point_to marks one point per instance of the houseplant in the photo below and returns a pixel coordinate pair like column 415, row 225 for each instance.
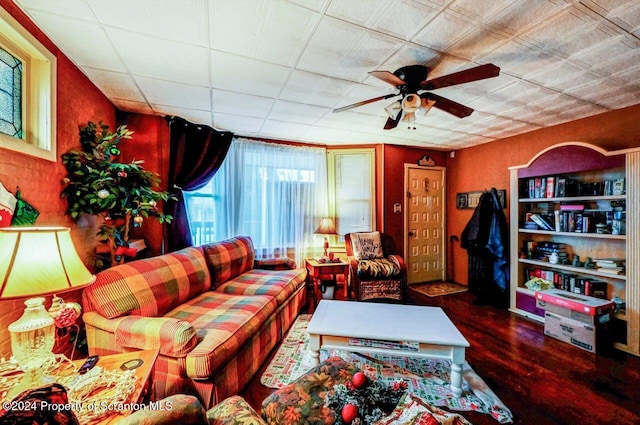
column 123, row 194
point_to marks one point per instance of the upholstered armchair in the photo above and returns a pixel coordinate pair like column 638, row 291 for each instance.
column 375, row 271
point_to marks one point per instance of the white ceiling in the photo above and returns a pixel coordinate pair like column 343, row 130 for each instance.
column 276, row 68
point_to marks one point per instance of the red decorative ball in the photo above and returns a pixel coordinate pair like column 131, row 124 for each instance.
column 359, row 380
column 349, row 413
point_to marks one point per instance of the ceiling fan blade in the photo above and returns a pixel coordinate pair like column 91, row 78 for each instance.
column 364, row 102
column 473, row 74
column 388, row 77
column 393, row 122
column 454, row 108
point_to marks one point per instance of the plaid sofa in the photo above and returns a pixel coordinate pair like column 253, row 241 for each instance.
column 211, row 312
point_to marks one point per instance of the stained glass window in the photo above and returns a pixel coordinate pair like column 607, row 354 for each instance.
column 10, row 94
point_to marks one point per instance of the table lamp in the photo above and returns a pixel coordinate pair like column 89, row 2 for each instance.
column 326, row 227
column 36, row 261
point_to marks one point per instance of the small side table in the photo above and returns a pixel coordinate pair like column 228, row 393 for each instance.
column 317, row 271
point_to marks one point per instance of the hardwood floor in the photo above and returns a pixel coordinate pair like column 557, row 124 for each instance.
column 541, row 380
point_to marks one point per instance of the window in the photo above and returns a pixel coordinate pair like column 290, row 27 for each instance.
column 27, row 92
column 353, row 196
column 10, row 94
column 274, row 193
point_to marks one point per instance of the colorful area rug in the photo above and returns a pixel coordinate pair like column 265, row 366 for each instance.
column 438, row 289
column 426, row 378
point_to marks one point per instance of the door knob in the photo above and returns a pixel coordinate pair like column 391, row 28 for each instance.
column 411, row 234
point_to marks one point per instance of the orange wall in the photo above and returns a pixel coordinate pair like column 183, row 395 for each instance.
column 486, row 166
column 78, row 101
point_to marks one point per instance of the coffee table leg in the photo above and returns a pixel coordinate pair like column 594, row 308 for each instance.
column 456, row 379
column 314, row 347
column 456, row 371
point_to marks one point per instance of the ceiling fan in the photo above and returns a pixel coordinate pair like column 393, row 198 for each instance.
column 414, row 87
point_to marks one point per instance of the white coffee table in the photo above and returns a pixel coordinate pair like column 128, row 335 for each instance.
column 334, row 323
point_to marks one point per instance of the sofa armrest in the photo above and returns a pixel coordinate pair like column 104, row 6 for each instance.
column 280, row 263
column 97, row 320
column 172, row 337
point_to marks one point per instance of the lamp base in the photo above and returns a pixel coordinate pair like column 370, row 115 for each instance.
column 31, row 379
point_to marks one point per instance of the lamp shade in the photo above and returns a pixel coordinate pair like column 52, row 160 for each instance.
column 39, row 261
column 326, row 227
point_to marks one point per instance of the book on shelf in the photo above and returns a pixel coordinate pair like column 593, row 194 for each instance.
column 542, row 221
column 560, row 187
column 550, row 187
column 610, row 262
column 571, row 207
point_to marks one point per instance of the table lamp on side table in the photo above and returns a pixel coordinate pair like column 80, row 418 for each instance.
column 36, row 261
column 326, row 227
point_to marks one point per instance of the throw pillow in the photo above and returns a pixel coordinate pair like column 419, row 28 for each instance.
column 367, row 246
column 7, row 206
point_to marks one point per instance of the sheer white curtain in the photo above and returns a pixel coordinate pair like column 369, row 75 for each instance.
column 274, row 193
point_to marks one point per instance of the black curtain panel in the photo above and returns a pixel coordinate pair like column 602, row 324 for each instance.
column 196, row 152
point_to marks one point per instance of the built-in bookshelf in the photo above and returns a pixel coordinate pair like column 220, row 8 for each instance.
column 574, row 224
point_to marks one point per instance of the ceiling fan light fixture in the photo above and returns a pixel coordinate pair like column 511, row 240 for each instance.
column 411, row 103
column 393, row 109
column 426, row 106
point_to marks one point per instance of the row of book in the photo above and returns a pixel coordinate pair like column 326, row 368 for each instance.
column 571, row 220
column 560, row 187
column 570, row 282
column 541, row 250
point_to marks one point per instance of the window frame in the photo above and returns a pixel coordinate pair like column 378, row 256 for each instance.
column 332, row 183
column 38, row 91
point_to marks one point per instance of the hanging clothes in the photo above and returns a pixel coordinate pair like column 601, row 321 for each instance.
column 485, row 237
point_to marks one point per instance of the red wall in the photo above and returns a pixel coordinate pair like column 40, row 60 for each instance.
column 78, row 101
column 392, row 183
column 486, row 166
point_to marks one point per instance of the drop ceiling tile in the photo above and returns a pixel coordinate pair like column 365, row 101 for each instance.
column 356, row 12
column 556, row 31
column 297, row 112
column 284, row 130
column 479, row 10
column 511, row 18
column 410, row 54
column 64, row 32
column 622, row 101
column 193, row 115
column 161, row 92
column 185, row 22
column 586, row 38
column 70, row 8
column 476, row 41
column 402, row 19
column 115, row 84
column 234, row 103
column 241, row 124
column 278, row 30
column 314, row 89
column 245, row 75
column 443, row 31
column 167, row 60
column 327, row 135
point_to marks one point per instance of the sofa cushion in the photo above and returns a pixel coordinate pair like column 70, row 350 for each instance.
column 278, row 284
column 149, row 287
column 367, row 246
column 224, row 323
column 228, row 259
column 378, row 268
column 172, row 337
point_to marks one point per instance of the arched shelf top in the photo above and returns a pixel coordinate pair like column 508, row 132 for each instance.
column 570, row 157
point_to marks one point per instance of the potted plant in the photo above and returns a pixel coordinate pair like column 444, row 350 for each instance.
column 122, row 194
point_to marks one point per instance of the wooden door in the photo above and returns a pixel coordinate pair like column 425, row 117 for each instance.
column 425, row 224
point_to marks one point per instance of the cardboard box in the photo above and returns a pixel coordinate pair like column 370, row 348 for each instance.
column 587, row 319
column 584, row 304
column 587, row 337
